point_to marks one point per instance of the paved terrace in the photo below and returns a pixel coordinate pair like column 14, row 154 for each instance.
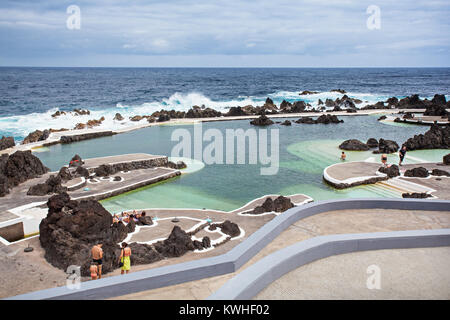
column 350, row 172
column 329, row 223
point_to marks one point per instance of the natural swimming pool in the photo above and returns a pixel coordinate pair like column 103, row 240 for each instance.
column 305, row 150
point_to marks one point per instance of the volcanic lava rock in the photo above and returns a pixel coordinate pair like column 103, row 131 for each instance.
column 438, row 137
column 280, row 204
column 206, row 242
column 339, row 91
column 446, row 159
column 305, row 92
column 118, row 117
column 307, row 120
column 436, row 110
column 82, row 172
column 386, row 146
column 50, row 186
column 176, row 245
column 419, row 172
column 353, row 145
column 263, row 120
column 145, row 221
column 178, row 165
column 163, row 118
column 197, row 112
column 439, row 172
column 227, row 227
column 71, row 228
column 6, row 142
column 286, row 123
column 372, row 143
column 412, row 102
column 382, row 118
column 235, row 111
column 64, row 174
column 35, row 136
column 143, row 254
column 391, row 171
column 104, row 170
column 416, row 195
column 326, row 119
column 17, row 168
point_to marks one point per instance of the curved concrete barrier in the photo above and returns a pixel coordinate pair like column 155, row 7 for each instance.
column 258, row 276
column 228, row 262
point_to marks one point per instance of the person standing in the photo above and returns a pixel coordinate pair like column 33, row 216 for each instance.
column 94, row 271
column 343, row 156
column 384, row 159
column 402, row 154
column 125, row 255
column 97, row 257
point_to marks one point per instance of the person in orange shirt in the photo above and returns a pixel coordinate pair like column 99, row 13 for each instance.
column 94, row 271
column 97, row 256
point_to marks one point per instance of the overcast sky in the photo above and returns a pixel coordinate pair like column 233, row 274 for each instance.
column 218, row 33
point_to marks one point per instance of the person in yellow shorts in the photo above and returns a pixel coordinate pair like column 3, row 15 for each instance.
column 125, row 255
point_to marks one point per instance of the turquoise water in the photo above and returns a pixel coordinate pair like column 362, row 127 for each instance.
column 305, row 150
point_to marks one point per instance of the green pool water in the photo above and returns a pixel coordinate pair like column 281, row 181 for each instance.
column 305, row 150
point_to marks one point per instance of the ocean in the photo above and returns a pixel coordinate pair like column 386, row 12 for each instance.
column 28, row 96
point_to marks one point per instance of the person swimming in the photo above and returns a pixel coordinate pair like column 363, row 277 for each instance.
column 343, row 156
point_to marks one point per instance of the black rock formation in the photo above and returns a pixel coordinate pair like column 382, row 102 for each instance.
column 286, row 123
column 263, row 120
column 6, row 142
column 391, row 171
column 419, row 172
column 176, row 245
column 416, row 195
column 439, row 172
column 372, row 143
column 438, row 137
column 50, row 186
column 17, row 168
column 280, row 204
column 35, row 136
column 227, row 227
column 353, row 145
column 446, row 159
column 387, row 146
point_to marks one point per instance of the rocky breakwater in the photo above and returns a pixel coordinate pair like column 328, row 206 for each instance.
column 85, row 136
column 72, row 228
column 6, row 143
column 18, row 168
column 109, row 169
column 438, row 137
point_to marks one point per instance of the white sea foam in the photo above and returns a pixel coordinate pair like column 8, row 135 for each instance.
column 19, row 126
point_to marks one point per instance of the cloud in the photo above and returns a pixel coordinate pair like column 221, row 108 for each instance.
column 33, row 31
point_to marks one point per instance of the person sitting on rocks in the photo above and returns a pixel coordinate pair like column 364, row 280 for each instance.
column 384, row 159
column 94, row 271
column 97, row 256
column 125, row 258
column 125, row 217
column 116, row 218
column 343, row 156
